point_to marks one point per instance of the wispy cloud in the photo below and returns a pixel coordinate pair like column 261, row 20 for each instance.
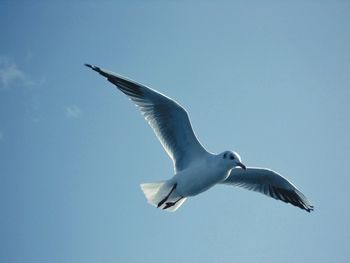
column 10, row 74
column 72, row 112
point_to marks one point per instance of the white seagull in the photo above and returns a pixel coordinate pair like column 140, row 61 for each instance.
column 196, row 169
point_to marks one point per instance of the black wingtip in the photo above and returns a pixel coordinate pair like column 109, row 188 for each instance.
column 93, row 67
column 99, row 70
column 310, row 208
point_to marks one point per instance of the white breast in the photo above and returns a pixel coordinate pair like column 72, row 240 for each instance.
column 199, row 178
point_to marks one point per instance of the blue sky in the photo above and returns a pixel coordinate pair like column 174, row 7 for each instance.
column 268, row 80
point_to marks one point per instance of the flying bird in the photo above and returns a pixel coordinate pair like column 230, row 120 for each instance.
column 195, row 169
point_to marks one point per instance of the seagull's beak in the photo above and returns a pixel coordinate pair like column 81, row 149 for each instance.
column 242, row 165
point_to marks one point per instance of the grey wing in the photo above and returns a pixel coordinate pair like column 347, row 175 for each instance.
column 269, row 183
column 168, row 119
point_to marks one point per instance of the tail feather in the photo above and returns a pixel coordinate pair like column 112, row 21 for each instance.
column 176, row 206
column 151, row 192
column 155, row 193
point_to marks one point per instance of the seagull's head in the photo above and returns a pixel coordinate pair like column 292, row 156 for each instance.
column 232, row 160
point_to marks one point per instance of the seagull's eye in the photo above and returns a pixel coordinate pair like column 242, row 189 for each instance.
column 232, row 157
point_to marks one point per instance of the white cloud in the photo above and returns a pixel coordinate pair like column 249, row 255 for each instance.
column 10, row 74
column 72, row 112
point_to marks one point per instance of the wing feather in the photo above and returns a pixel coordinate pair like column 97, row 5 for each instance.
column 169, row 121
column 270, row 184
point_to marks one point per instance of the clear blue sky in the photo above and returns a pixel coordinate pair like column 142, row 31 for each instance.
column 269, row 80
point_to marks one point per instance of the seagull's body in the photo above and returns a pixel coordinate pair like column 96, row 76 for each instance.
column 200, row 176
column 196, row 169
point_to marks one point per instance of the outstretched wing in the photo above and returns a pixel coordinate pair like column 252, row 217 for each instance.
column 168, row 119
column 269, row 183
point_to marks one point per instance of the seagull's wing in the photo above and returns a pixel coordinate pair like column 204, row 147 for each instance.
column 269, row 183
column 168, row 119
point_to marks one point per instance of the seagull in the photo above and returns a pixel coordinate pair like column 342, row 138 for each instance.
column 195, row 169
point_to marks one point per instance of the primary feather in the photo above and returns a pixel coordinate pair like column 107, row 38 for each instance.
column 269, row 183
column 168, row 119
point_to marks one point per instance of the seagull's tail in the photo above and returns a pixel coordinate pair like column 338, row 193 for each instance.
column 155, row 193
